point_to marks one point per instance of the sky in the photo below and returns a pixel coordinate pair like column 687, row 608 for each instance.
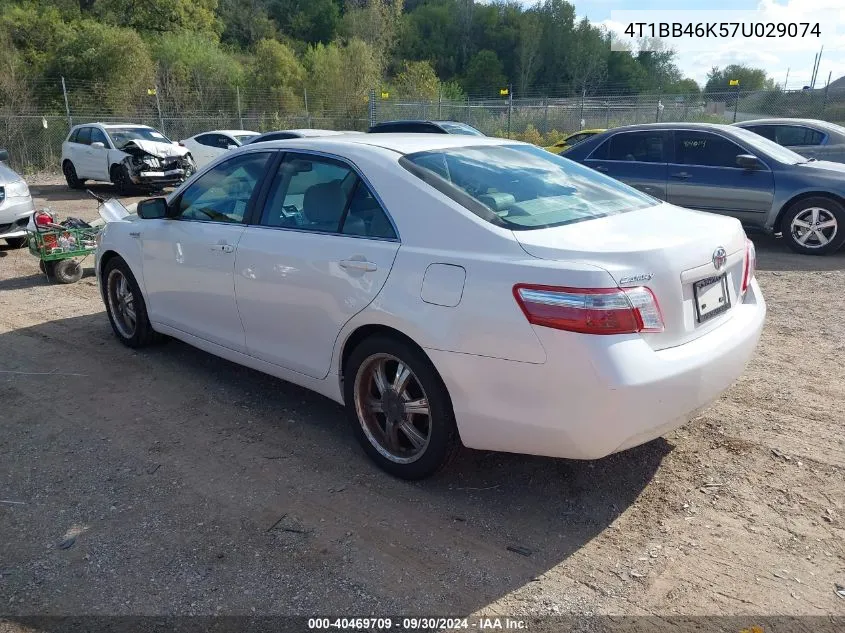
column 775, row 56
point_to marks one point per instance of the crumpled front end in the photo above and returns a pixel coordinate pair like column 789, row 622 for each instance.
column 161, row 168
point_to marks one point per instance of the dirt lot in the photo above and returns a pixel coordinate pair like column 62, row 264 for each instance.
column 194, row 486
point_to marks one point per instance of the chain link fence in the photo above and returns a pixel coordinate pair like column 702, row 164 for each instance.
column 35, row 122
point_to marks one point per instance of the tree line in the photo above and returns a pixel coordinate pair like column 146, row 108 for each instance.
column 197, row 50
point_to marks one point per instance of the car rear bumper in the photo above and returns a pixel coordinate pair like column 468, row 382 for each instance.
column 596, row 395
column 14, row 216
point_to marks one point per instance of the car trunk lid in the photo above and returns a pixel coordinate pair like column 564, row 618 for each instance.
column 665, row 248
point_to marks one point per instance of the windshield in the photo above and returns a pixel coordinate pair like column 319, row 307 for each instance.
column 459, row 128
column 244, row 138
column 120, row 136
column 769, row 148
column 523, row 187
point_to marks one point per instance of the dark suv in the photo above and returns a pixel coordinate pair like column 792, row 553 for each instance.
column 425, row 127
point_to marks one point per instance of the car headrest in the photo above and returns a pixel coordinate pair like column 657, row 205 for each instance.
column 324, row 202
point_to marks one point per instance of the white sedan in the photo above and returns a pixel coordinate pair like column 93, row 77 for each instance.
column 447, row 289
column 207, row 146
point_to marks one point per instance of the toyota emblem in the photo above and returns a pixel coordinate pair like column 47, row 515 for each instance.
column 720, row 257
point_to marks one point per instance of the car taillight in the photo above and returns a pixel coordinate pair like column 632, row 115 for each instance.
column 590, row 310
column 750, row 265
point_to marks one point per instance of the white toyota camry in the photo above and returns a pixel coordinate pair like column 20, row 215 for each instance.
column 447, row 289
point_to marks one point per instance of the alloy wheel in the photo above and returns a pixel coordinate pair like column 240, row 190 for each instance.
column 121, row 303
column 814, row 227
column 392, row 408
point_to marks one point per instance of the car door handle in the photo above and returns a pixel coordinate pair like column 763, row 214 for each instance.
column 222, row 248
column 358, row 264
column 681, row 175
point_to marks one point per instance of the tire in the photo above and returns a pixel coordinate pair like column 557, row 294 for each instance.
column 66, row 271
column 409, row 445
column 814, row 226
column 132, row 333
column 73, row 181
column 41, row 266
column 16, row 242
column 121, row 180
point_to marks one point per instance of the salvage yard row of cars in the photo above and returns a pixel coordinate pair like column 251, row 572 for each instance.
column 453, row 289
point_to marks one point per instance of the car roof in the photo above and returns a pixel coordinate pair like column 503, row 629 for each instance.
column 109, row 126
column 404, row 143
column 782, row 121
column 229, row 132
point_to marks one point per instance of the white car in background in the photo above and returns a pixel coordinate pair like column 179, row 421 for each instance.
column 15, row 204
column 447, row 289
column 124, row 154
column 207, row 146
column 285, row 135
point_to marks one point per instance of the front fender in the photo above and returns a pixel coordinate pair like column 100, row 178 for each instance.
column 115, row 240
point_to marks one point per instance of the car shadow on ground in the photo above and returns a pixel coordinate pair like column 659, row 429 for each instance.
column 489, row 524
column 774, row 255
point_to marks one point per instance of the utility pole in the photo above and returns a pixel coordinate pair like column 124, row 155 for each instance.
column 581, row 121
column 240, row 116
column 67, row 105
column 510, row 108
column 786, row 81
column 158, row 107
column 307, row 111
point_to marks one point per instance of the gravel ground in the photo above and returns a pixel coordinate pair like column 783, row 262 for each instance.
column 168, row 481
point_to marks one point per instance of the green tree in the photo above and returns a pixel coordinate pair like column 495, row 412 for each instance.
column 245, row 22
column 749, row 79
column 417, row 81
column 484, row 74
column 159, row 16
column 431, row 32
column 34, row 32
column 340, row 77
column 375, row 22
column 195, row 72
column 276, row 68
column 310, row 21
column 107, row 68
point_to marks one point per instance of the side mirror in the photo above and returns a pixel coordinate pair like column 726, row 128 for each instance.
column 152, row 209
column 4, row 155
column 98, row 145
column 748, row 161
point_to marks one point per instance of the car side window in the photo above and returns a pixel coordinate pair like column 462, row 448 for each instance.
column 84, row 136
column 601, row 152
column 98, row 136
column 705, row 149
column 797, row 135
column 643, row 147
column 308, row 192
column 223, row 141
column 766, row 131
column 73, row 136
column 365, row 216
column 223, row 193
column 211, row 140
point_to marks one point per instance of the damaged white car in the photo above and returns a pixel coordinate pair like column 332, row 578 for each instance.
column 127, row 155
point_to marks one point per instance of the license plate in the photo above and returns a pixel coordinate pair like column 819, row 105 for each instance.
column 711, row 297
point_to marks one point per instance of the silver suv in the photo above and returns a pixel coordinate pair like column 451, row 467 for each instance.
column 15, row 204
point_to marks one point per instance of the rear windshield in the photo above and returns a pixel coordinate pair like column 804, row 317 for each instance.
column 523, row 187
column 459, row 128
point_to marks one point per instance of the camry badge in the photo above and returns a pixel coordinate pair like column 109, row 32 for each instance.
column 720, row 258
column 635, row 279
